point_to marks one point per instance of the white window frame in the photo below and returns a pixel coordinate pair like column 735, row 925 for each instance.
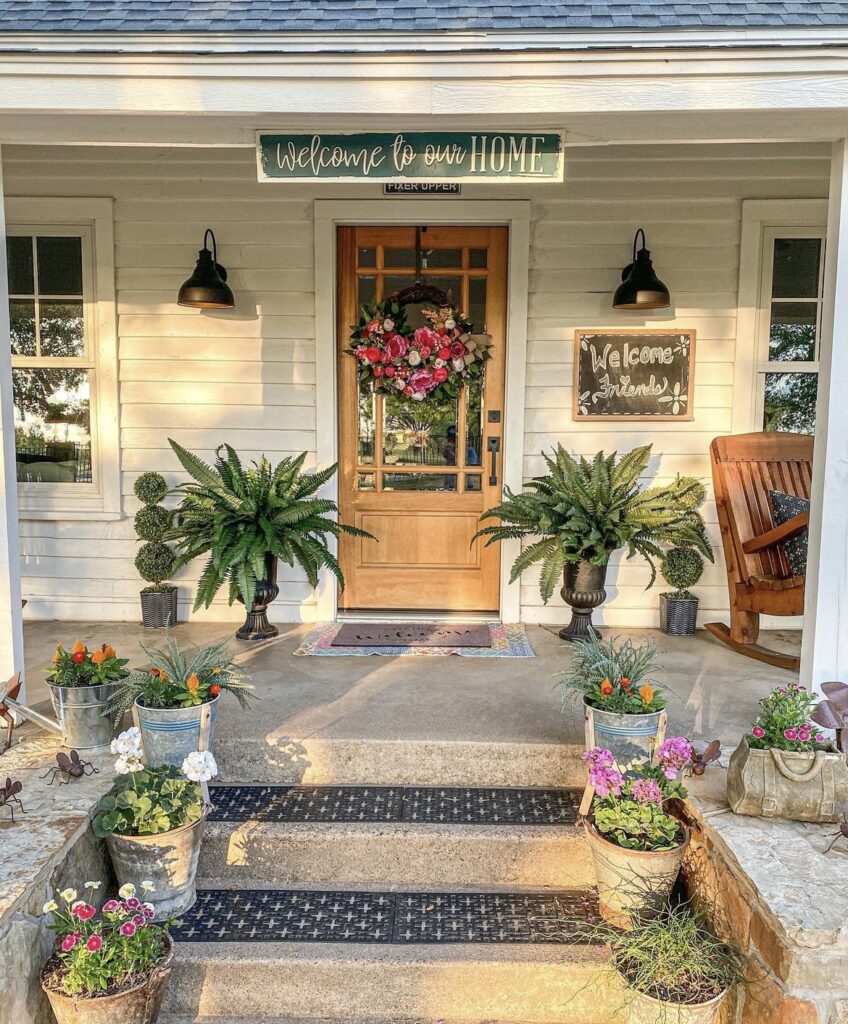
column 764, row 220
column 92, row 220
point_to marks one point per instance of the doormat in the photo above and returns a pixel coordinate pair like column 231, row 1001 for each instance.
column 300, row 915
column 413, row 634
column 505, row 641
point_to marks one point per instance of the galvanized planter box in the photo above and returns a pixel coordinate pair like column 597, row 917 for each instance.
column 169, row 735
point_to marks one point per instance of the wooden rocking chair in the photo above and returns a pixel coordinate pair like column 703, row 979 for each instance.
column 745, row 468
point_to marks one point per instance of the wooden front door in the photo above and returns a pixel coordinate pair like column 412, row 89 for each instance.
column 417, row 475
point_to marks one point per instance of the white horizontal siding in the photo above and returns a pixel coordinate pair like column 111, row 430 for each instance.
column 247, row 376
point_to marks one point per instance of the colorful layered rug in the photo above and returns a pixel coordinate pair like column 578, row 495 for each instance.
column 505, row 641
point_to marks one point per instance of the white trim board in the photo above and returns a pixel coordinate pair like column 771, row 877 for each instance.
column 515, row 214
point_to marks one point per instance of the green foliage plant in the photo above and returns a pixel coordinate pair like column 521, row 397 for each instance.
column 613, row 675
column 237, row 517
column 148, row 802
column 587, row 509
column 155, row 560
column 681, row 568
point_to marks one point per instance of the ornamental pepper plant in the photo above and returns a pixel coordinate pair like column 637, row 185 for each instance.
column 784, row 722
column 81, row 667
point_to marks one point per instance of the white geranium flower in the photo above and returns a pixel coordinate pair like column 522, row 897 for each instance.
column 127, row 743
column 450, row 323
column 200, row 766
column 388, row 325
column 68, row 895
column 50, row 907
column 458, row 364
column 127, row 891
column 413, row 357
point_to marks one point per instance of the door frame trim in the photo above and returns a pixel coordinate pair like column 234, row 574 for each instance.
column 515, row 215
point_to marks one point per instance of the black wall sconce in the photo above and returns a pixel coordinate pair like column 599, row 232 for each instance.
column 640, row 287
column 207, row 287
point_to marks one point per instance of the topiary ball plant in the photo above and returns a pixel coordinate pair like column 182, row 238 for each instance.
column 681, row 568
column 155, row 560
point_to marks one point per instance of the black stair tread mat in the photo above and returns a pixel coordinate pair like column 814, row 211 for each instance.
column 440, row 805
column 563, row 917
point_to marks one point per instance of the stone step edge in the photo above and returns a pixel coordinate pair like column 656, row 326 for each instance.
column 168, row 1018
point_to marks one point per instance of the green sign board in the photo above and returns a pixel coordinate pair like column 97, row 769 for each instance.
column 410, row 156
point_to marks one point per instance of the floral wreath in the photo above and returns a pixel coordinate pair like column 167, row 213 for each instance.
column 433, row 361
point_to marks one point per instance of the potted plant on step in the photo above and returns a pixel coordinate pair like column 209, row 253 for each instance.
column 637, row 846
column 153, row 821
column 172, row 695
column 245, row 520
column 81, row 683
column 786, row 767
column 681, row 568
column 155, row 560
column 675, row 969
column 109, row 965
column 623, row 707
column 585, row 510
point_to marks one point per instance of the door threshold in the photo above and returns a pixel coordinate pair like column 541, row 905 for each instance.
column 414, row 615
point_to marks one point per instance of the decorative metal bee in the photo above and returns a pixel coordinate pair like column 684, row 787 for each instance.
column 69, row 766
column 712, row 752
column 9, row 795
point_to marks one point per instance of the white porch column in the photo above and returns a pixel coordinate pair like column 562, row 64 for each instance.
column 824, row 650
column 11, row 619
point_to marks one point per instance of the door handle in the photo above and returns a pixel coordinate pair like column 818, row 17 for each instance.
column 493, row 444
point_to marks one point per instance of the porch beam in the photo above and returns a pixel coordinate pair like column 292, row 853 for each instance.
column 11, row 618
column 824, row 650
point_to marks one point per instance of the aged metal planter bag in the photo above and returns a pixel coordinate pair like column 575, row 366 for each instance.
column 800, row 785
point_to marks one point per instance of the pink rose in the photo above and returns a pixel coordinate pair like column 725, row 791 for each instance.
column 94, row 943
column 389, row 371
column 440, row 374
column 422, row 381
column 372, row 354
column 426, row 337
column 425, row 351
column 378, row 371
column 444, row 353
column 457, row 350
column 396, row 346
column 128, row 929
column 407, row 390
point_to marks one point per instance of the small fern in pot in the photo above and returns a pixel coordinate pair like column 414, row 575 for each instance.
column 681, row 568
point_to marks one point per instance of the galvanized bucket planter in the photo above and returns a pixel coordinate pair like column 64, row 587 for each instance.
column 799, row 785
column 79, row 711
column 627, row 736
column 678, row 615
column 632, row 882
column 170, row 734
column 137, row 1005
column 168, row 860
column 642, row 1009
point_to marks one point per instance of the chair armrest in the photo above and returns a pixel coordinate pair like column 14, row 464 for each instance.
column 776, row 535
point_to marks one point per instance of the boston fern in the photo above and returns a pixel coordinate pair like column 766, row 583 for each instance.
column 586, row 509
column 239, row 516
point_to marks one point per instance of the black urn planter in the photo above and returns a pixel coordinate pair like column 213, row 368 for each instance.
column 678, row 615
column 159, row 608
column 256, row 625
column 583, row 591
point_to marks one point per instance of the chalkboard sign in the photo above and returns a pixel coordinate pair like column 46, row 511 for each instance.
column 642, row 373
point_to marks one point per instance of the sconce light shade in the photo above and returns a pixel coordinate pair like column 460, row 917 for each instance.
column 207, row 287
column 640, row 287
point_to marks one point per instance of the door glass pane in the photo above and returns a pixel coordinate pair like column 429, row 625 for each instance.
column 365, row 481
column 474, row 482
column 474, row 422
column 19, row 259
column 792, row 334
column 790, row 402
column 795, row 273
column 367, row 422
column 477, row 258
column 396, row 282
column 59, row 265
column 436, row 258
column 419, row 481
column 452, row 284
column 366, row 290
column 419, row 433
column 62, row 331
column 52, row 425
column 366, row 258
column 399, row 258
column 477, row 303
column 22, row 324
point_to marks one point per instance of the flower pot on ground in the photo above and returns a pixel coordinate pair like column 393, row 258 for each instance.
column 583, row 511
column 637, row 846
column 153, row 822
column 623, row 707
column 109, row 965
column 81, row 684
column 786, row 767
column 155, row 560
column 681, row 568
column 170, row 696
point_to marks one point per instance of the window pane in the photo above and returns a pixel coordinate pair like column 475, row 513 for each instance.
column 435, row 258
column 477, row 258
column 451, row 284
column 22, row 323
column 367, row 419
column 790, row 402
column 62, row 333
column 474, row 423
column 419, row 433
column 792, row 335
column 796, row 268
column 399, row 258
column 477, row 303
column 474, row 483
column 19, row 258
column 366, row 258
column 419, row 481
column 367, row 290
column 59, row 265
column 396, row 282
column 52, row 425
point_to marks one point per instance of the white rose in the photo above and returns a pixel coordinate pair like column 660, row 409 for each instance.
column 49, row 907
column 413, row 357
column 388, row 325
column 438, row 363
column 418, row 396
column 127, row 891
column 450, row 323
column 400, row 384
column 458, row 364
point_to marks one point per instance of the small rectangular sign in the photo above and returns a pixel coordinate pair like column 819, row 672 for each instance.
column 636, row 374
column 410, row 156
column 421, row 188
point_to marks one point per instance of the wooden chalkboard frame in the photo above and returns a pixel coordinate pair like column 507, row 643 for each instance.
column 601, row 332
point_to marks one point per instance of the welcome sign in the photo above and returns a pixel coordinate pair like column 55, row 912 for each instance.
column 410, row 156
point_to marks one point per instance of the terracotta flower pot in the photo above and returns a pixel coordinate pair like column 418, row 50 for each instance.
column 642, row 1009
column 137, row 1005
column 632, row 882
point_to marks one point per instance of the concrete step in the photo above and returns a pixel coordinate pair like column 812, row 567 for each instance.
column 267, row 981
column 169, row 1018
column 285, row 760
column 261, row 854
